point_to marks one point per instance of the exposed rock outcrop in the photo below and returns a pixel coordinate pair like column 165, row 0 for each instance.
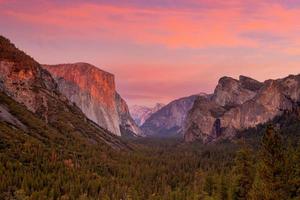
column 127, row 124
column 168, row 120
column 24, row 80
column 231, row 92
column 6, row 116
column 93, row 91
column 30, row 85
column 240, row 104
column 141, row 113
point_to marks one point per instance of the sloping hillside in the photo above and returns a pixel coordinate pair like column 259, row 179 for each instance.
column 24, row 81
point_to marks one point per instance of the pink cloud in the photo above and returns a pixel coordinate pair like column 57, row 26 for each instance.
column 171, row 28
column 270, row 29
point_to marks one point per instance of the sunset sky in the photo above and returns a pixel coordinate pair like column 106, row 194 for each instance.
column 160, row 50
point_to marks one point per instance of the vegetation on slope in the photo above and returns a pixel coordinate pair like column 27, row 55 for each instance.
column 68, row 158
column 44, row 163
column 55, row 110
column 9, row 52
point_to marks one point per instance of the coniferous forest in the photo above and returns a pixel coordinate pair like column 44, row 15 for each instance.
column 261, row 163
column 149, row 100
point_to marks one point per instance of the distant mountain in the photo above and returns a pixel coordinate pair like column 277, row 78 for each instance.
column 141, row 113
column 238, row 105
column 31, row 105
column 168, row 121
column 93, row 91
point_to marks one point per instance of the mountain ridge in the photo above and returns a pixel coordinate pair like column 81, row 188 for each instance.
column 169, row 119
column 240, row 104
column 141, row 113
column 93, row 91
column 26, row 82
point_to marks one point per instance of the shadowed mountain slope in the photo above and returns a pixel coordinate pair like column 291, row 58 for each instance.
column 169, row 119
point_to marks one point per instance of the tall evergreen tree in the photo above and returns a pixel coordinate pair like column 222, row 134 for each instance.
column 293, row 156
column 223, row 188
column 209, row 185
column 244, row 174
column 198, row 189
column 256, row 189
column 271, row 169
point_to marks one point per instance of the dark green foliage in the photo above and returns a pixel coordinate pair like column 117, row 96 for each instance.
column 293, row 169
column 52, row 161
column 209, row 185
column 272, row 166
column 243, row 171
column 223, row 188
column 67, row 158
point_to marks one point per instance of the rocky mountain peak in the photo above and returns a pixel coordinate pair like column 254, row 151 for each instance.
column 231, row 92
column 22, row 78
column 141, row 113
column 25, row 86
column 100, row 84
column 158, row 106
column 93, row 91
column 240, row 104
column 250, row 83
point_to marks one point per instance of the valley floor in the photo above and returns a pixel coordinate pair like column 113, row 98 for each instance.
column 50, row 162
column 155, row 169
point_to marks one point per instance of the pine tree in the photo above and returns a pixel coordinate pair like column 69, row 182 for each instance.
column 244, row 174
column 199, row 185
column 271, row 170
column 209, row 185
column 255, row 192
column 223, row 188
column 293, row 168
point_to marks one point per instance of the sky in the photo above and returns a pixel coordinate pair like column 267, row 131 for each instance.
column 160, row 50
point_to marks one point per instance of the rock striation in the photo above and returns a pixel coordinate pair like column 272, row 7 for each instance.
column 240, row 104
column 93, row 91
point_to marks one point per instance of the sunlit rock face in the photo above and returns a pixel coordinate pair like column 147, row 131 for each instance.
column 93, row 91
column 23, row 80
column 231, row 92
column 29, row 85
column 169, row 119
column 240, row 104
column 141, row 113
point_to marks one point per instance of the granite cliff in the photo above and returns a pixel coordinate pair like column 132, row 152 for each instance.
column 23, row 81
column 240, row 104
column 127, row 124
column 93, row 91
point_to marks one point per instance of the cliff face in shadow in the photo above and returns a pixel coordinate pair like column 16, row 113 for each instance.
column 168, row 121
